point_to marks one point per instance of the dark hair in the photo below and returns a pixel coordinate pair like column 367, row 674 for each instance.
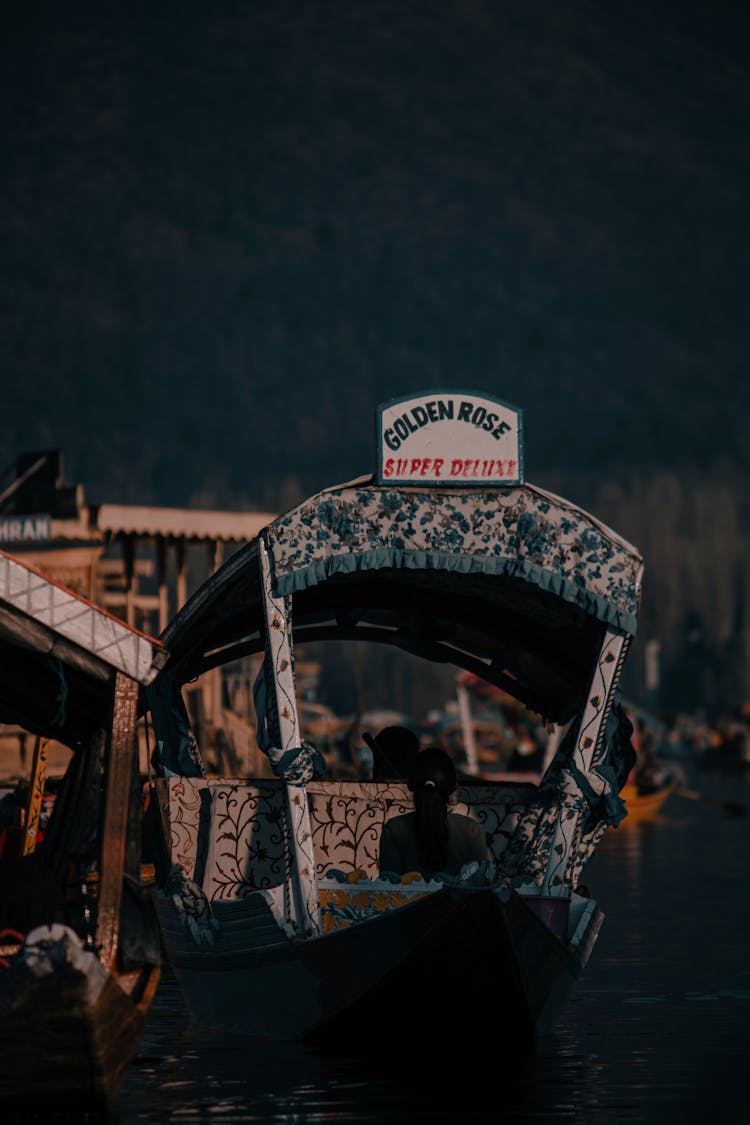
column 393, row 752
column 432, row 780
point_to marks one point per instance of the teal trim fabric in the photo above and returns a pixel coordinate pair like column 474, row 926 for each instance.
column 295, row 766
column 523, row 532
column 379, row 559
column 177, row 749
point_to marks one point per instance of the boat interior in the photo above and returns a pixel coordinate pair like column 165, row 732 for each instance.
column 227, row 837
column 524, row 639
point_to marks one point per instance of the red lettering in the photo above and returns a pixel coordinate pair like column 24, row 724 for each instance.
column 388, row 467
column 456, row 466
column 415, row 464
column 438, row 465
column 426, row 463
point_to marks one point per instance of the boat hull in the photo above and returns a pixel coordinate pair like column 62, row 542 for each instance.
column 57, row 1049
column 416, row 966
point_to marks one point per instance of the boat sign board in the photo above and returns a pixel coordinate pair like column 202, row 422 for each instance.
column 449, row 438
column 25, row 529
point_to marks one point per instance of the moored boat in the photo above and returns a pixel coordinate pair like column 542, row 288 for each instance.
column 80, row 956
column 275, row 915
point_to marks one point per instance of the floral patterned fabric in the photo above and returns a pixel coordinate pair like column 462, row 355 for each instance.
column 347, row 818
column 522, row 531
column 344, row 905
column 248, row 848
column 186, row 801
column 550, row 835
column 230, row 837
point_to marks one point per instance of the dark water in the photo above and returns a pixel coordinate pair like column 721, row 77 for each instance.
column 657, row 1030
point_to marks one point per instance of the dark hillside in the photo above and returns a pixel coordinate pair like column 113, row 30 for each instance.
column 227, row 236
column 229, row 232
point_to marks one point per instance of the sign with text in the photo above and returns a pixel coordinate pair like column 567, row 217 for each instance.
column 449, row 438
column 25, row 529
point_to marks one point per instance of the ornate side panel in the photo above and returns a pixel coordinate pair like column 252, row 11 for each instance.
column 346, row 827
column 185, row 798
column 248, row 845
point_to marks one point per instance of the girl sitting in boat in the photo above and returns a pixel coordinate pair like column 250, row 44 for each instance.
column 431, row 839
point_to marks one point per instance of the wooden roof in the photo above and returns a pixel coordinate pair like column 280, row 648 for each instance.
column 60, row 655
column 180, row 523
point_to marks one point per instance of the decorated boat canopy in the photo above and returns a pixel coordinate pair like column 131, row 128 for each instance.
column 60, row 655
column 522, row 532
column 505, row 580
column 446, row 553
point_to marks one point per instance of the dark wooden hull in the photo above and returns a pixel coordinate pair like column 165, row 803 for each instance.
column 449, row 955
column 59, row 1051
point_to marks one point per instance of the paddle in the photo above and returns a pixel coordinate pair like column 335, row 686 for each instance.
column 734, row 808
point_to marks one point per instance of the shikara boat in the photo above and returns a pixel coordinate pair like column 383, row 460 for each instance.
column 646, row 804
column 80, row 956
column 275, row 916
column 651, row 782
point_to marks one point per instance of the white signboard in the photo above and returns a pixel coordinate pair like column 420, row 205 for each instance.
column 449, row 438
column 25, row 529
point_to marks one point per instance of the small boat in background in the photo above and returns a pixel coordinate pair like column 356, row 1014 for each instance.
column 646, row 803
column 650, row 783
column 80, row 956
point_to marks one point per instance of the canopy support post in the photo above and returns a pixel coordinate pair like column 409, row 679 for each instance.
column 302, row 877
column 588, row 753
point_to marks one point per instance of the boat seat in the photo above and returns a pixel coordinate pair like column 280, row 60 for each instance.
column 228, row 835
column 342, row 904
column 347, row 819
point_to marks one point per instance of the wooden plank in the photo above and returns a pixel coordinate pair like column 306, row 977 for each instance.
column 63, row 614
column 114, row 829
column 117, row 598
column 36, row 793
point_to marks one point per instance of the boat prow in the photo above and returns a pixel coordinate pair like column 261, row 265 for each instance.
column 80, row 955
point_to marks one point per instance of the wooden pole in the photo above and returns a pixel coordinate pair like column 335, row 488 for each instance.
column 36, row 794
column 214, row 562
column 467, row 727
column 118, row 779
column 161, row 578
column 128, row 554
column 302, row 877
column 181, row 577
